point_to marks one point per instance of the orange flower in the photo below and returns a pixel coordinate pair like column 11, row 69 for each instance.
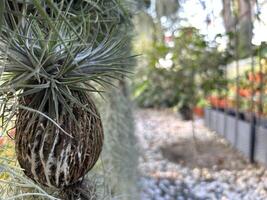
column 199, row 111
column 223, row 103
column 257, row 77
column 214, row 101
column 245, row 92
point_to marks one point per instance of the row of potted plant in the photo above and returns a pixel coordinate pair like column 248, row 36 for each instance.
column 250, row 90
column 245, row 99
column 248, row 96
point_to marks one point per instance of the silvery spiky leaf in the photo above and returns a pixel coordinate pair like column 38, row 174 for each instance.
column 54, row 48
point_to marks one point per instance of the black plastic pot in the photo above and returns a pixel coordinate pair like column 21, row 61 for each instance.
column 186, row 113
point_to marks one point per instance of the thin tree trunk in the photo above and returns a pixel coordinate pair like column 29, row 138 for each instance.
column 245, row 26
column 242, row 13
column 228, row 16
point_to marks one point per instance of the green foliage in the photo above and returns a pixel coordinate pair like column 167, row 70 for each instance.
column 179, row 75
column 151, row 82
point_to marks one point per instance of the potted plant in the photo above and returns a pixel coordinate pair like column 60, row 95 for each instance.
column 199, row 108
column 185, row 109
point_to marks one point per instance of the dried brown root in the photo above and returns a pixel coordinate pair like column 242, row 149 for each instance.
column 83, row 190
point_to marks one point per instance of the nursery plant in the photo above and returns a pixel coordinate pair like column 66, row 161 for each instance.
column 54, row 55
column 180, row 75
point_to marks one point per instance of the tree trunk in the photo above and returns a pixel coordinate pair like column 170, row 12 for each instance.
column 241, row 16
column 166, row 7
column 245, row 27
column 228, row 16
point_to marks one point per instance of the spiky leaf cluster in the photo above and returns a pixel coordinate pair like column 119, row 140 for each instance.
column 51, row 49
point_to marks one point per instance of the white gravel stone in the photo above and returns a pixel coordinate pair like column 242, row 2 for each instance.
column 164, row 180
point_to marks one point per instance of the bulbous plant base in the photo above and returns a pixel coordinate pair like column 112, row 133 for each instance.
column 52, row 158
column 83, row 190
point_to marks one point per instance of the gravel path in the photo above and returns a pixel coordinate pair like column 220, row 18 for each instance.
column 175, row 166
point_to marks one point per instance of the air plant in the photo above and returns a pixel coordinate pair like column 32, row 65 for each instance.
column 54, row 55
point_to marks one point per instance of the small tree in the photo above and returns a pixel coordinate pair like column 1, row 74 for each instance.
column 179, row 75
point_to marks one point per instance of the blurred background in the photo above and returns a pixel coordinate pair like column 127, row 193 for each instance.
column 200, row 89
